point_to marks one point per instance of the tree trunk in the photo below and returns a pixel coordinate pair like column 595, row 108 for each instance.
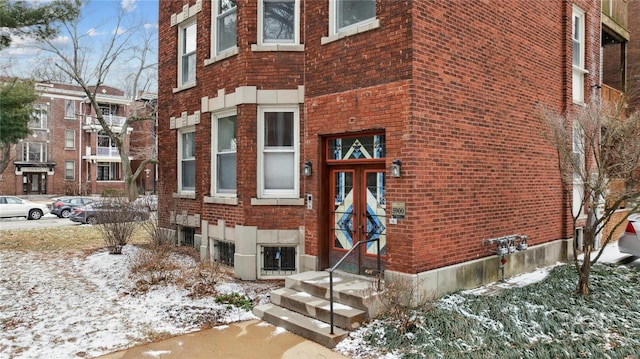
column 584, row 272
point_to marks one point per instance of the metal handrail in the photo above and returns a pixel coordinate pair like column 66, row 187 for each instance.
column 335, row 266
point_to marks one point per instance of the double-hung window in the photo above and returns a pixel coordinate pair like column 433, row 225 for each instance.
column 69, row 139
column 225, row 15
column 187, row 160
column 351, row 13
column 39, row 118
column 69, row 170
column 69, row 109
column 278, row 152
column 187, row 54
column 578, row 51
column 278, row 22
column 224, row 153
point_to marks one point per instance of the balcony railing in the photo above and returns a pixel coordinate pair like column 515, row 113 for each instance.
column 107, row 152
column 111, row 120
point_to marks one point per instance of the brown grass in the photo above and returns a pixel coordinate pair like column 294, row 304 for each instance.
column 66, row 239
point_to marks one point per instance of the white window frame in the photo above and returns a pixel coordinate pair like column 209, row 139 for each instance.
column 279, row 193
column 214, row 30
column 333, row 19
column 39, row 118
column 181, row 56
column 214, row 154
column 70, row 166
column 69, row 141
column 296, row 25
column 181, row 132
column 69, row 109
column 28, row 147
column 578, row 70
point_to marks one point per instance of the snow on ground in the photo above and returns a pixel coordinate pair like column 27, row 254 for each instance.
column 63, row 306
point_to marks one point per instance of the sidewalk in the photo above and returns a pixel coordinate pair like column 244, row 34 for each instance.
column 243, row 340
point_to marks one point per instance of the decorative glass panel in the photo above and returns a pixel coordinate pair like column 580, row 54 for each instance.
column 343, row 211
column 376, row 213
column 357, row 148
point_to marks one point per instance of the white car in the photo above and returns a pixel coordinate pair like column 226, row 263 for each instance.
column 11, row 206
column 629, row 241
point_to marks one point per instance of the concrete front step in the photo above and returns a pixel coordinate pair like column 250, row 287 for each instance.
column 354, row 291
column 304, row 303
column 312, row 329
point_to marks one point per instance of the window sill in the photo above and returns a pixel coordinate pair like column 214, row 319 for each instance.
column 350, row 32
column 276, row 47
column 277, row 201
column 232, row 201
column 231, row 52
column 69, row 118
column 184, row 87
column 185, row 195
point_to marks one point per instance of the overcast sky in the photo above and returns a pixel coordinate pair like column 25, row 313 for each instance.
column 98, row 21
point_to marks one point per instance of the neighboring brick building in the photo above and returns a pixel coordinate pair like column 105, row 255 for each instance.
column 280, row 123
column 67, row 154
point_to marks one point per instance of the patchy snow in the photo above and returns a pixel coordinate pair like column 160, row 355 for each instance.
column 56, row 305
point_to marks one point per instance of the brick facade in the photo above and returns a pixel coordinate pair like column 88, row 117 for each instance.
column 20, row 176
column 454, row 87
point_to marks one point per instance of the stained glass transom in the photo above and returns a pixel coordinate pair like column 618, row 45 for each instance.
column 357, row 148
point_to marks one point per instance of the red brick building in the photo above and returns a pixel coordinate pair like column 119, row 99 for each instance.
column 67, row 153
column 290, row 130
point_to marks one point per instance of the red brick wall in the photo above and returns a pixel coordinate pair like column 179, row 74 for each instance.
column 475, row 164
column 266, row 70
column 455, row 86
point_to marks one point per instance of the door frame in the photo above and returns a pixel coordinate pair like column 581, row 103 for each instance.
column 326, row 205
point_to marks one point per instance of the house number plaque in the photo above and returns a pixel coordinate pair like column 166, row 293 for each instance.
column 397, row 210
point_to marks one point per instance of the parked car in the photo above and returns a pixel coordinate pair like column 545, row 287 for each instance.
column 149, row 202
column 108, row 212
column 11, row 206
column 629, row 241
column 62, row 206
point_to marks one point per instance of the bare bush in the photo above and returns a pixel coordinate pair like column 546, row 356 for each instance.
column 398, row 301
column 117, row 220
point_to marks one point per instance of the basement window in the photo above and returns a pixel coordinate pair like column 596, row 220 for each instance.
column 224, row 252
column 187, row 236
column 278, row 260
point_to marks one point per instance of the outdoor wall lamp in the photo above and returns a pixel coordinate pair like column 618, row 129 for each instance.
column 306, row 169
column 394, row 170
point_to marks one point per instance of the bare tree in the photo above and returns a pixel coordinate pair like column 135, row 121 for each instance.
column 598, row 151
column 90, row 67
